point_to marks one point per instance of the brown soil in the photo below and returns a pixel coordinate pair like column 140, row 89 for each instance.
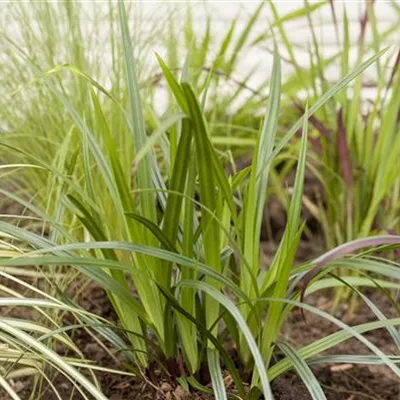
column 342, row 381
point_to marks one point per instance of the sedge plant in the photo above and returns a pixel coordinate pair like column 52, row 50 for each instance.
column 354, row 143
column 353, row 138
column 187, row 237
column 361, row 150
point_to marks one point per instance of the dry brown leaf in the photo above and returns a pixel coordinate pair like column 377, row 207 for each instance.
column 342, row 367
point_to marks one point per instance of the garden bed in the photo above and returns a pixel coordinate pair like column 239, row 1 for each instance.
column 339, row 381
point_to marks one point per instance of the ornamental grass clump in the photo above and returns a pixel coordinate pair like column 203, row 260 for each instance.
column 177, row 248
column 354, row 138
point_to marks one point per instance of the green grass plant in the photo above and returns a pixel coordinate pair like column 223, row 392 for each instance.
column 156, row 210
column 354, row 146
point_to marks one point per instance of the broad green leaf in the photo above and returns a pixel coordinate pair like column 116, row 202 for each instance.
column 255, row 197
column 216, row 374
